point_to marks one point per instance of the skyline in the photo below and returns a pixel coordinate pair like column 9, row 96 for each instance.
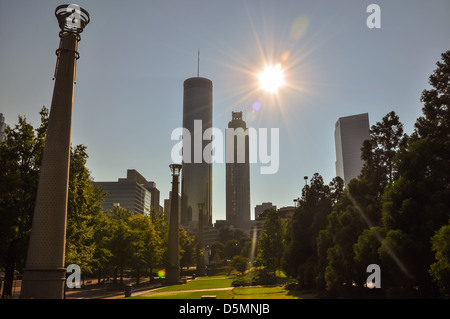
column 129, row 91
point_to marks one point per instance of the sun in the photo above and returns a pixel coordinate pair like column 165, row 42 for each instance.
column 272, row 78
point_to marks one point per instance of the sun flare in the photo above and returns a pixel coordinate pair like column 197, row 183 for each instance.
column 272, row 78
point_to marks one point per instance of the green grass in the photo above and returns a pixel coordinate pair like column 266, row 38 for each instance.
column 275, row 292
column 201, row 283
column 220, row 294
column 215, row 282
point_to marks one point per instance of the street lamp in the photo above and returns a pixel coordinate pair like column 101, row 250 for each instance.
column 44, row 274
column 173, row 267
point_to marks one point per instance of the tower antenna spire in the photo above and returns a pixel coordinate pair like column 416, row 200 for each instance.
column 198, row 63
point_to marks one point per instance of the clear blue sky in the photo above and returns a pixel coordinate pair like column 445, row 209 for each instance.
column 135, row 56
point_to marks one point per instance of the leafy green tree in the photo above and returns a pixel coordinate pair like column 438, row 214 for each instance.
column 227, row 233
column 20, row 160
column 84, row 208
column 240, row 263
column 345, row 224
column 161, row 230
column 271, row 242
column 102, row 256
column 231, row 248
column 217, row 252
column 418, row 203
column 378, row 152
column 187, row 249
column 144, row 244
column 300, row 258
column 440, row 270
column 120, row 240
column 353, row 236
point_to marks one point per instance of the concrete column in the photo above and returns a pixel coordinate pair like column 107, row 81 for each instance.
column 44, row 275
column 173, row 266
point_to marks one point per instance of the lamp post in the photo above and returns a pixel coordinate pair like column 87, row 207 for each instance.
column 44, row 273
column 173, row 266
column 200, row 248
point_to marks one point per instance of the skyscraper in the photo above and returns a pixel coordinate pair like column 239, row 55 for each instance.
column 349, row 134
column 238, row 175
column 196, row 180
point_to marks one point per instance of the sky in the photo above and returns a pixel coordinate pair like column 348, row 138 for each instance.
column 135, row 56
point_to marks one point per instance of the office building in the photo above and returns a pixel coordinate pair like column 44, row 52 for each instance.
column 350, row 133
column 133, row 192
column 259, row 209
column 196, row 180
column 238, row 174
column 286, row 213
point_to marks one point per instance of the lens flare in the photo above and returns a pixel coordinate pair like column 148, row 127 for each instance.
column 272, row 78
column 161, row 273
column 256, row 105
column 299, row 27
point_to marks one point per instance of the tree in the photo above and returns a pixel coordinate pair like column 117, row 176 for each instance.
column 84, row 208
column 435, row 122
column 440, row 270
column 378, row 153
column 240, row 263
column 120, row 240
column 102, row 255
column 418, row 203
column 187, row 249
column 161, row 232
column 217, row 252
column 270, row 243
column 20, row 160
column 231, row 249
column 300, row 258
column 227, row 233
column 144, row 243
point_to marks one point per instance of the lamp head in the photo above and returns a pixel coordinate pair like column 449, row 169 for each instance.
column 176, row 169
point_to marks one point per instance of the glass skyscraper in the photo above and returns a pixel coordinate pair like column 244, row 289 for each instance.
column 349, row 134
column 196, row 174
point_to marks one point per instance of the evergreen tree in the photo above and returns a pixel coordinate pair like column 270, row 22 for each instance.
column 418, row 204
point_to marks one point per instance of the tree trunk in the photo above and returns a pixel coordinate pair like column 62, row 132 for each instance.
column 9, row 271
column 138, row 275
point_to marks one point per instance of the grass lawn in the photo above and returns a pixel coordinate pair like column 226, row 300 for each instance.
column 212, row 283
column 275, row 292
column 220, row 294
column 201, row 283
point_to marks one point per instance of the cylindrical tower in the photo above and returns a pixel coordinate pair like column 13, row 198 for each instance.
column 44, row 275
column 196, row 182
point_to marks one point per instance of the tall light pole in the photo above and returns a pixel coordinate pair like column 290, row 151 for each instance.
column 173, row 251
column 44, row 274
